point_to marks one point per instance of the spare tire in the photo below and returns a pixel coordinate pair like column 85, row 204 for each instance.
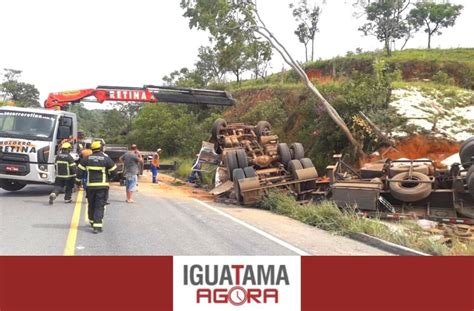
column 297, row 151
column 284, row 153
column 467, row 152
column 231, row 163
column 293, row 166
column 470, row 185
column 410, row 192
column 217, row 127
column 262, row 128
column 242, row 159
column 238, row 174
column 469, row 173
column 250, row 172
column 395, row 170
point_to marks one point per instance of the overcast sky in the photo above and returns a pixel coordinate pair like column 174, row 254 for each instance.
column 66, row 45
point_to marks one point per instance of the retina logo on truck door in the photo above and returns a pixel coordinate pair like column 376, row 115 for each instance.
column 17, row 146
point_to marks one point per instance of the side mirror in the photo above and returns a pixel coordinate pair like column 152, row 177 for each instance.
column 64, row 132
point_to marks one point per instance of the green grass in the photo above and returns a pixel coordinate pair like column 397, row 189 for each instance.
column 328, row 217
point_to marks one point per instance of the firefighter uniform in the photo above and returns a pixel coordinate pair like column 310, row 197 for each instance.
column 99, row 169
column 65, row 173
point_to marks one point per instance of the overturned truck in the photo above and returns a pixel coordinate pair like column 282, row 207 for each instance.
column 421, row 188
column 252, row 160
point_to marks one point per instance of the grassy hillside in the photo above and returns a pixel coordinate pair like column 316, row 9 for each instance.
column 440, row 80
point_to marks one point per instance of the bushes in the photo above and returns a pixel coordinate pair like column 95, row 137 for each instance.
column 328, row 217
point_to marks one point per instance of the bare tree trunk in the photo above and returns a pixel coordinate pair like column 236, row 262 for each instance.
column 267, row 34
column 306, row 51
column 429, row 41
column 312, row 50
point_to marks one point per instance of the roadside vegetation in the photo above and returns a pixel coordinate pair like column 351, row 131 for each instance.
column 327, row 216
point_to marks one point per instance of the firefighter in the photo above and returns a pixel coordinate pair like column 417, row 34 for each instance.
column 65, row 173
column 99, row 168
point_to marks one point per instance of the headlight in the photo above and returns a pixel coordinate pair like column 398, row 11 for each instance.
column 43, row 167
column 44, row 176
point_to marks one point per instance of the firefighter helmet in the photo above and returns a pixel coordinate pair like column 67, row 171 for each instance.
column 96, row 145
column 66, row 146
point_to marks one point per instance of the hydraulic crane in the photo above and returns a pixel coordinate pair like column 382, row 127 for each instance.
column 145, row 94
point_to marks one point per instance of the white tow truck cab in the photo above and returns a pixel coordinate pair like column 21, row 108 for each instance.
column 29, row 141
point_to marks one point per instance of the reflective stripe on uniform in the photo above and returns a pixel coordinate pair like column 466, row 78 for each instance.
column 96, row 225
column 80, row 166
column 68, row 165
column 100, row 183
column 112, row 168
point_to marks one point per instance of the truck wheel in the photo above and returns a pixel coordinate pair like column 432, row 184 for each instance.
column 250, row 172
column 238, row 174
column 242, row 158
column 231, row 162
column 470, row 181
column 262, row 128
column 217, row 126
column 293, row 166
column 297, row 151
column 284, row 153
column 12, row 185
column 467, row 152
column 469, row 173
column 306, row 162
column 410, row 192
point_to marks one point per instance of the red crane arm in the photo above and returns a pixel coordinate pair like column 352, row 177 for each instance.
column 146, row 94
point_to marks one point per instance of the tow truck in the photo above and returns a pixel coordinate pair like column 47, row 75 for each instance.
column 30, row 137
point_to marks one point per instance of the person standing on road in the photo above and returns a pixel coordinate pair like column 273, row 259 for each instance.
column 99, row 168
column 65, row 173
column 131, row 161
column 155, row 165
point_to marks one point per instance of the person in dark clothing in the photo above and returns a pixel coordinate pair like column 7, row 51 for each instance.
column 99, row 168
column 65, row 173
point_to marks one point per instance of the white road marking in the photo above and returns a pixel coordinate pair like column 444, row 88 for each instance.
column 254, row 229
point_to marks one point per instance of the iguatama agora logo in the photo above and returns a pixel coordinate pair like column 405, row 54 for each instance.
column 236, row 284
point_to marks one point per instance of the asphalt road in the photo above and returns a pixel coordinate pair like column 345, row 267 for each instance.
column 165, row 220
column 154, row 225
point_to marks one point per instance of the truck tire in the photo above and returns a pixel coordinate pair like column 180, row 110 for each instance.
column 11, row 185
column 284, row 153
column 262, row 128
column 469, row 173
column 470, row 185
column 410, row 192
column 297, row 151
column 217, row 126
column 242, row 159
column 231, row 163
column 467, row 152
column 395, row 170
column 238, row 174
column 250, row 172
column 293, row 166
column 306, row 162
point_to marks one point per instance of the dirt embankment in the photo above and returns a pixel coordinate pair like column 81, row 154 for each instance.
column 417, row 147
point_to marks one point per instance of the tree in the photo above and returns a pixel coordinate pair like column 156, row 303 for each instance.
column 308, row 19
column 21, row 93
column 243, row 16
column 386, row 21
column 260, row 54
column 208, row 64
column 434, row 17
column 185, row 78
